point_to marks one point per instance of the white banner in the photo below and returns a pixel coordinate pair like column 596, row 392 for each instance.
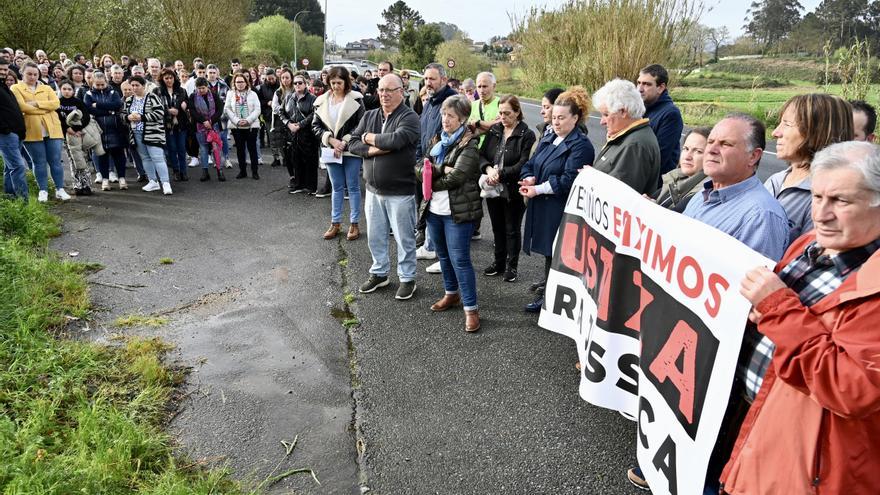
column 651, row 298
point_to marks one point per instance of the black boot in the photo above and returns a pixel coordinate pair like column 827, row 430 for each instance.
column 254, row 173
column 242, row 174
column 220, row 175
column 205, row 175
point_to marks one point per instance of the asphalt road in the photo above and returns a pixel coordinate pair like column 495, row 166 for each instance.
column 406, row 402
column 532, row 113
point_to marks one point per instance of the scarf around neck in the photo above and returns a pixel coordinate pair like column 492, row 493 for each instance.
column 440, row 148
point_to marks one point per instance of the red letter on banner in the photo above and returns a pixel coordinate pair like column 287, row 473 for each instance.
column 570, row 256
column 607, row 258
column 682, row 340
column 645, row 298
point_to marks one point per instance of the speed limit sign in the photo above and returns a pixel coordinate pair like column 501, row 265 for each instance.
column 305, row 62
column 450, row 63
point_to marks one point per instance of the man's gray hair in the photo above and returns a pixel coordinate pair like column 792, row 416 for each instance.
column 468, row 83
column 98, row 76
column 856, row 155
column 487, row 74
column 435, row 65
column 153, row 59
column 458, row 104
column 619, row 94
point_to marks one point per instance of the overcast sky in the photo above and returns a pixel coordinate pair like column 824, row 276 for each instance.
column 352, row 20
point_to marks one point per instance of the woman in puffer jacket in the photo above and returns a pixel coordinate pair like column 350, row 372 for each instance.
column 105, row 104
column 146, row 117
column 243, row 111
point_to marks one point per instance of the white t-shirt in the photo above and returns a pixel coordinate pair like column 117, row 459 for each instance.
column 440, row 203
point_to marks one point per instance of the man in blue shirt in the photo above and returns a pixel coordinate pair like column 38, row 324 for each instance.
column 735, row 202
column 662, row 114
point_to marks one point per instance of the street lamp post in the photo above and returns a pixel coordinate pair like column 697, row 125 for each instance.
column 295, row 59
column 324, row 46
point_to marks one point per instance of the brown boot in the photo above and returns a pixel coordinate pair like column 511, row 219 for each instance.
column 446, row 302
column 332, row 232
column 353, row 232
column 471, row 321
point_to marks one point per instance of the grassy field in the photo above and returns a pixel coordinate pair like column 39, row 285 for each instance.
column 77, row 417
column 707, row 96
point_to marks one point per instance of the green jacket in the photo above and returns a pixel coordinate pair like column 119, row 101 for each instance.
column 461, row 182
column 633, row 157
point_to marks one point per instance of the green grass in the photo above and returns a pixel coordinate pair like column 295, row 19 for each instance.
column 166, row 261
column 77, row 417
column 140, row 321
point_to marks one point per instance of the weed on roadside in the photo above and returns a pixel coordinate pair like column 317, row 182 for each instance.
column 166, row 261
column 136, row 320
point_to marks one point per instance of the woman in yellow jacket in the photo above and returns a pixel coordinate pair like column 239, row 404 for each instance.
column 43, row 135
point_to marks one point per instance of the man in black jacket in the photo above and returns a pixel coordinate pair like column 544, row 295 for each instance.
column 387, row 138
column 12, row 132
column 266, row 91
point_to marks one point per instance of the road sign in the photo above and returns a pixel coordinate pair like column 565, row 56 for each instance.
column 450, row 63
column 305, row 62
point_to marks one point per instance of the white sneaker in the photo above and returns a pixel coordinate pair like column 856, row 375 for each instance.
column 122, row 183
column 105, row 185
column 193, row 163
column 422, row 253
column 435, row 268
column 166, row 189
column 61, row 194
column 113, row 176
column 227, row 163
column 152, row 186
column 43, row 196
column 98, row 178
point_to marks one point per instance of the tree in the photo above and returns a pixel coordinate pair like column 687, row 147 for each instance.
column 717, row 37
column 449, row 31
column 396, row 17
column 418, row 44
column 51, row 26
column 190, row 29
column 467, row 63
column 276, row 37
column 772, row 20
column 311, row 23
column 842, row 21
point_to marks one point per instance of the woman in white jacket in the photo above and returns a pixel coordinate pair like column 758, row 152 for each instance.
column 243, row 110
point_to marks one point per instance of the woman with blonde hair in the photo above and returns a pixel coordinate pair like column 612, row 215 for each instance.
column 547, row 177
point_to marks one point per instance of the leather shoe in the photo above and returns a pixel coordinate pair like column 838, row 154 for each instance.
column 471, row 321
column 446, row 302
column 535, row 306
column 332, row 232
column 353, row 232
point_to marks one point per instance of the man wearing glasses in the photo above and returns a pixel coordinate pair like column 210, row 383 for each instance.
column 387, row 138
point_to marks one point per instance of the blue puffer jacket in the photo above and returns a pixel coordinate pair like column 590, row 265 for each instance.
column 105, row 105
column 665, row 120
column 430, row 120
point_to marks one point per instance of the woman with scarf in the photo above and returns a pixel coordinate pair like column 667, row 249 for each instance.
column 337, row 113
column 452, row 205
column 205, row 109
column 243, row 111
column 173, row 97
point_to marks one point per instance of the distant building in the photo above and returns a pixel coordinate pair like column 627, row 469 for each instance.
column 503, row 44
column 478, row 47
column 356, row 50
column 373, row 43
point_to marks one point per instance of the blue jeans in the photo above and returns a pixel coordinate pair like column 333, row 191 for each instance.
column 224, row 136
column 47, row 158
column 398, row 213
column 118, row 157
column 153, row 158
column 452, row 243
column 204, row 150
column 342, row 176
column 175, row 151
column 14, row 179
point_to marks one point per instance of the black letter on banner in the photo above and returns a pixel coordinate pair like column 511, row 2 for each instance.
column 667, row 450
column 566, row 300
column 628, row 364
column 594, row 371
column 645, row 407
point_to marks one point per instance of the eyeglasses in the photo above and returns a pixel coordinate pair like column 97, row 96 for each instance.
column 385, row 91
column 298, row 82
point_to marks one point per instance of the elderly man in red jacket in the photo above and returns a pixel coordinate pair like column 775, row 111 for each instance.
column 815, row 423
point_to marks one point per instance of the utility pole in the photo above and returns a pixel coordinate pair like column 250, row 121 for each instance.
column 295, row 59
column 324, row 51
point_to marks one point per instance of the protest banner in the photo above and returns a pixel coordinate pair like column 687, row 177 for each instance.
column 651, row 298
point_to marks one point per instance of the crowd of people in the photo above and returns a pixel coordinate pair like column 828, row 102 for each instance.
column 430, row 155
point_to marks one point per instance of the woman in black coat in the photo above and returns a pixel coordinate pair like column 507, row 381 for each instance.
column 505, row 150
column 547, row 177
column 205, row 109
column 295, row 109
column 105, row 104
column 173, row 97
